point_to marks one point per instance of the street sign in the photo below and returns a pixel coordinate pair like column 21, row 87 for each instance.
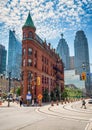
column 28, row 96
column 40, row 96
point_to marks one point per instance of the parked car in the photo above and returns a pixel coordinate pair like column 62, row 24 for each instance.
column 90, row 101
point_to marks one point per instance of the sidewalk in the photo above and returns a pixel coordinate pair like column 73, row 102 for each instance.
column 12, row 104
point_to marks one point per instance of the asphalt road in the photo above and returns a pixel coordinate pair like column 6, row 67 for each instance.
column 68, row 116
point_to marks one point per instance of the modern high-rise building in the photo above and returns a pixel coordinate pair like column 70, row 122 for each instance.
column 14, row 55
column 63, row 51
column 82, row 57
column 3, row 54
column 71, row 62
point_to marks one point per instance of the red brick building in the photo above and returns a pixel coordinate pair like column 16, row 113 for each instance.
column 39, row 60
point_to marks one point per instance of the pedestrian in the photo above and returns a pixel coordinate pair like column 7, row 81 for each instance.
column 21, row 102
column 83, row 104
column 36, row 101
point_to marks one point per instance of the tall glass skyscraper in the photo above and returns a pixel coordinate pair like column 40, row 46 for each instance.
column 82, row 56
column 14, row 55
column 63, row 51
column 3, row 54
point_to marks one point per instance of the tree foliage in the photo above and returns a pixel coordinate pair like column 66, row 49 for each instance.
column 18, row 91
column 45, row 95
column 71, row 92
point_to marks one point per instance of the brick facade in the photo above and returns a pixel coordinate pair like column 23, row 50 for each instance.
column 39, row 60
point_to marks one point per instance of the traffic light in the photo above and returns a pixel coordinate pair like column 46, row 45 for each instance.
column 83, row 76
column 38, row 81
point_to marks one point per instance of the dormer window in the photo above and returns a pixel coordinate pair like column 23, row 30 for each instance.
column 30, row 35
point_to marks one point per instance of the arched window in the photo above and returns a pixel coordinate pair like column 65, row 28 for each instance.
column 35, row 63
column 24, row 62
column 24, row 35
column 29, row 51
column 29, row 62
column 30, row 35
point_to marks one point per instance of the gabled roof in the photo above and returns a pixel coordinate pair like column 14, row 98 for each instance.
column 29, row 22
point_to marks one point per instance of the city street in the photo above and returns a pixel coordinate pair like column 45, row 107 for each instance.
column 68, row 116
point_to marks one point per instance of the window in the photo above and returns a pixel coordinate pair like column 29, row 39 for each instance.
column 24, row 62
column 22, row 76
column 42, row 67
column 47, row 61
column 42, row 79
column 24, row 51
column 43, row 58
column 29, row 75
column 47, row 80
column 35, row 63
column 24, row 35
column 30, row 35
column 35, row 54
column 29, row 62
column 29, row 51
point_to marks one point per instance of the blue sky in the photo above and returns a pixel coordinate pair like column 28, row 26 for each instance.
column 51, row 18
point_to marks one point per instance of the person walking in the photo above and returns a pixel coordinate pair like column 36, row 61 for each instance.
column 21, row 102
column 83, row 104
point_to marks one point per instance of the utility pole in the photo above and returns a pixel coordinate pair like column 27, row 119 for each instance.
column 9, row 89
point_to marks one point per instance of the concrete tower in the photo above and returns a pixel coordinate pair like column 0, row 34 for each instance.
column 63, row 51
column 82, row 56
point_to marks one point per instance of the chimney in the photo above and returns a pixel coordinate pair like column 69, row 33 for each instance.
column 49, row 45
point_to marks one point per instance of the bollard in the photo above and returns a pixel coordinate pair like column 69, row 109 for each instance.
column 68, row 101
column 0, row 102
column 40, row 103
column 52, row 103
column 57, row 103
column 61, row 102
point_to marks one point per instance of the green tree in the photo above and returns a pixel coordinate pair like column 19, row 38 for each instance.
column 45, row 95
column 70, row 92
column 18, row 91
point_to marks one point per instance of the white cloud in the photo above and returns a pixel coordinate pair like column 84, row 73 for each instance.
column 49, row 18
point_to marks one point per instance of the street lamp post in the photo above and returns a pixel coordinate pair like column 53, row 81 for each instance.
column 49, row 91
column 9, row 89
column 29, row 96
column 86, row 76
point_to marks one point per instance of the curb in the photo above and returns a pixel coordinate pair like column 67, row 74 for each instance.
column 89, row 126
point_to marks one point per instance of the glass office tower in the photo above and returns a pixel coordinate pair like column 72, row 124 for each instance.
column 3, row 54
column 14, row 55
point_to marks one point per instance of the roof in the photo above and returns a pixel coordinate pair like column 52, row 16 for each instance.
column 29, row 22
